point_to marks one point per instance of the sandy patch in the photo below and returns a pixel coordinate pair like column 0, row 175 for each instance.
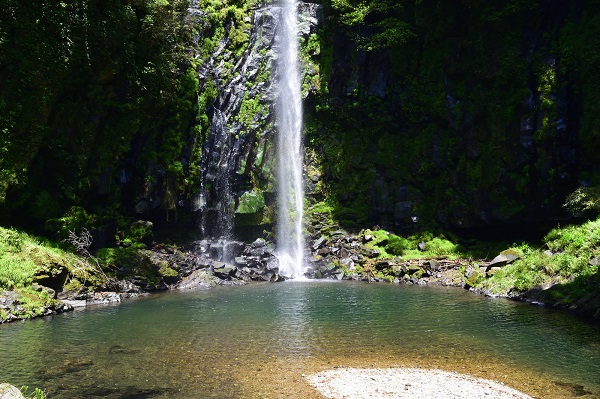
column 351, row 383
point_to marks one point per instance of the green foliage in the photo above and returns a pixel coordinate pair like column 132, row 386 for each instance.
column 165, row 271
column 584, row 199
column 36, row 394
column 134, row 233
column 251, row 202
column 581, row 63
column 397, row 245
column 450, row 142
column 77, row 96
column 74, row 219
column 131, row 263
column 15, row 272
column 441, row 247
column 25, row 259
column 568, row 263
column 250, row 111
column 581, row 240
column 390, row 245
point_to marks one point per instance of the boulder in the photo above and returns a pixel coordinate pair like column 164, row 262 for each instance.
column 8, row 391
column 40, row 288
column 199, row 279
column 323, row 251
column 503, row 259
column 319, row 243
column 224, row 271
column 433, row 265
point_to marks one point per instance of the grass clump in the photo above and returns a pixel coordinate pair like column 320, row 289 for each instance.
column 563, row 262
column 36, row 394
column 26, row 260
column 418, row 246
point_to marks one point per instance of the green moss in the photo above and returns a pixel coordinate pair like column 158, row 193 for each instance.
column 397, row 245
column 130, row 263
column 475, row 279
column 25, row 259
column 166, row 271
column 568, row 265
column 251, row 202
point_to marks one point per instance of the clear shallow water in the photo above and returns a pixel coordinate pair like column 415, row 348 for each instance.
column 257, row 341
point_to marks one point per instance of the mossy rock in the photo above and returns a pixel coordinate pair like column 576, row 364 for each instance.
column 165, row 271
column 475, row 278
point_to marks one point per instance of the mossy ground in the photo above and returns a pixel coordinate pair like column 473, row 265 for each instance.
column 26, row 260
column 567, row 262
column 564, row 266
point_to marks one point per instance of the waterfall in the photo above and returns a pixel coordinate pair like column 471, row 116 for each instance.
column 217, row 216
column 288, row 105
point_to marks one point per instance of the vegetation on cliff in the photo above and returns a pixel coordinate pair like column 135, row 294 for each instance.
column 461, row 114
column 30, row 265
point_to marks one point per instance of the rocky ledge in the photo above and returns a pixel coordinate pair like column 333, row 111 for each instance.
column 339, row 255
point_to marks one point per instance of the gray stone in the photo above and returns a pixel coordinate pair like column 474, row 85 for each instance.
column 319, row 243
column 272, row 264
column 225, row 271
column 433, row 265
column 498, row 261
column 469, row 272
column 8, row 391
column 75, row 303
column 240, row 261
column 216, row 251
column 323, row 251
column 199, row 279
column 349, row 263
column 504, row 258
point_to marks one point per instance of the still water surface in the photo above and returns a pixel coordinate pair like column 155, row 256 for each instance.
column 257, row 341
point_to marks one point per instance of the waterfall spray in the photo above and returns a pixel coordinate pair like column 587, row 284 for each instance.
column 290, row 241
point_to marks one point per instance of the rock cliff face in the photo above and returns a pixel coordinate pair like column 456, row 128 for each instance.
column 474, row 117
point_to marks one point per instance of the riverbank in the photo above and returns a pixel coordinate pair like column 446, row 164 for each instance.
column 39, row 278
column 352, row 383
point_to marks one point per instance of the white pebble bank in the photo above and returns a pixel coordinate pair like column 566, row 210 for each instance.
column 352, row 383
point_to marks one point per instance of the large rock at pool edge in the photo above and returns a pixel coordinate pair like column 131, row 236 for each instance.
column 8, row 391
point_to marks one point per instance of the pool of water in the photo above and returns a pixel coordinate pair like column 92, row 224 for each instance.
column 257, row 341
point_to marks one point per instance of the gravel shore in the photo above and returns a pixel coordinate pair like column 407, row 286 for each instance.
column 352, row 383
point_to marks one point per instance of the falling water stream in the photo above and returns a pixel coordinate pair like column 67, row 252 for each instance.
column 288, row 106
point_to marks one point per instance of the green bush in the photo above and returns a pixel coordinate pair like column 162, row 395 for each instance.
column 130, row 262
column 397, row 245
column 16, row 272
column 441, row 247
